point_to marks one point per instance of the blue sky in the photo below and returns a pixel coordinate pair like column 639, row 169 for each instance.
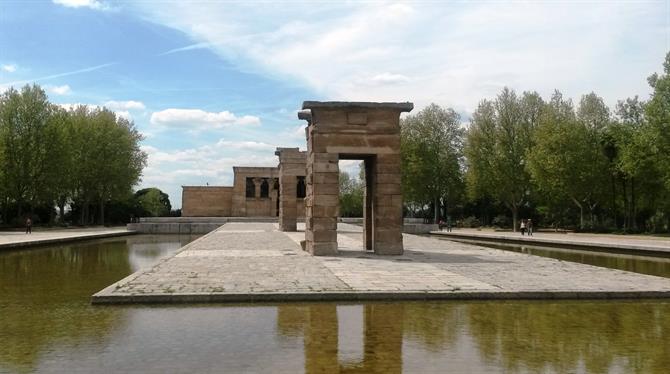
column 216, row 84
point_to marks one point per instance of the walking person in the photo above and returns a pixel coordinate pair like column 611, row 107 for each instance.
column 529, row 227
column 522, row 226
column 29, row 226
column 448, row 223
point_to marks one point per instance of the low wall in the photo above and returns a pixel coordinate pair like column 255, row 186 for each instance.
column 419, row 228
column 188, row 225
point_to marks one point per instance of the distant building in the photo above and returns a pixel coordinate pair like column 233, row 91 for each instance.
column 255, row 193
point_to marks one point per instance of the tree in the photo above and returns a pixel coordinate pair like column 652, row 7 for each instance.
column 498, row 139
column 351, row 196
column 24, row 118
column 565, row 161
column 432, row 158
column 154, row 202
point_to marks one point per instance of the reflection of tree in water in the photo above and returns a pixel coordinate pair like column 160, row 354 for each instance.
column 44, row 298
column 564, row 336
column 318, row 323
column 436, row 325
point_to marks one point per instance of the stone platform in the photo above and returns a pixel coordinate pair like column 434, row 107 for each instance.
column 253, row 262
column 640, row 245
column 19, row 239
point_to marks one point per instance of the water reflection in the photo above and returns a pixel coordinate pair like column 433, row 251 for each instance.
column 48, row 325
column 44, row 294
column 593, row 337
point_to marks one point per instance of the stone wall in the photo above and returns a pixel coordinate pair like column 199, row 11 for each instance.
column 206, row 201
column 256, row 206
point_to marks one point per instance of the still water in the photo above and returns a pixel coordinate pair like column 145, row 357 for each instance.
column 658, row 266
column 48, row 325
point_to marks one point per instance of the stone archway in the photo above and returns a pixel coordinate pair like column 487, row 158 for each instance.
column 354, row 130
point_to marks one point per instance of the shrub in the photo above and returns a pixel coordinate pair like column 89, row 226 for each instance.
column 501, row 221
column 471, row 222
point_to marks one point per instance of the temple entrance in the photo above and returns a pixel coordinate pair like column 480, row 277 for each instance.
column 354, row 130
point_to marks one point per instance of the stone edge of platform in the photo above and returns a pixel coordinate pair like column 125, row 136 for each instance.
column 543, row 242
column 106, row 297
column 43, row 242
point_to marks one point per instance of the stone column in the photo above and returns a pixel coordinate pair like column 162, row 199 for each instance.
column 291, row 165
column 367, row 204
column 257, row 185
column 322, row 203
column 387, row 205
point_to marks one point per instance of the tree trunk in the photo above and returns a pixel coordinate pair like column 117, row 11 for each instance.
column 102, row 212
column 626, row 215
column 632, row 204
column 614, row 201
column 515, row 216
column 581, row 212
column 61, row 210
column 436, row 211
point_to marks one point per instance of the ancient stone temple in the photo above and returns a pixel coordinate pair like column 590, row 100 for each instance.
column 255, row 193
column 360, row 131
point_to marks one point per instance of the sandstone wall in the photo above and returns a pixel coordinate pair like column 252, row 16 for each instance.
column 206, row 201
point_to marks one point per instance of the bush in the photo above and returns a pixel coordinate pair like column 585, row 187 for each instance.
column 471, row 222
column 501, row 221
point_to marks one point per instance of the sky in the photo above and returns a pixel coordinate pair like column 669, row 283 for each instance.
column 213, row 85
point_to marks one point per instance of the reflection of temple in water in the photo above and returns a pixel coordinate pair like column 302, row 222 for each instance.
column 381, row 335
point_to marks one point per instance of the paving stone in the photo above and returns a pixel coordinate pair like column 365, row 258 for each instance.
column 247, row 262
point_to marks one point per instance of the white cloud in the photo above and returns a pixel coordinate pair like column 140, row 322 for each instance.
column 10, row 68
column 124, row 105
column 247, row 145
column 93, row 4
column 388, row 78
column 451, row 53
column 196, row 119
column 124, row 114
column 210, row 163
column 58, row 90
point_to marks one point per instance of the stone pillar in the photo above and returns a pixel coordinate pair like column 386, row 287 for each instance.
column 387, row 205
column 257, row 187
column 367, row 204
column 291, row 166
column 322, row 203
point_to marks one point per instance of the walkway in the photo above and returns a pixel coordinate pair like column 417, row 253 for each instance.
column 244, row 262
column 634, row 244
column 17, row 239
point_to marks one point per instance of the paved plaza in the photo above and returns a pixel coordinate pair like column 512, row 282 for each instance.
column 17, row 239
column 639, row 244
column 241, row 262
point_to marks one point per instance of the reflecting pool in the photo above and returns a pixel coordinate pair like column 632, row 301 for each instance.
column 658, row 266
column 48, row 325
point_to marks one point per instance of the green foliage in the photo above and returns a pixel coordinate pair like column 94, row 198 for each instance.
column 153, row 202
column 501, row 221
column 432, row 158
column 498, row 140
column 352, row 192
column 470, row 222
column 566, row 163
column 52, row 157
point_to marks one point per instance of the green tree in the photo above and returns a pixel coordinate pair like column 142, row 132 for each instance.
column 565, row 161
column 351, row 196
column 24, row 122
column 432, row 158
column 154, row 202
column 498, row 140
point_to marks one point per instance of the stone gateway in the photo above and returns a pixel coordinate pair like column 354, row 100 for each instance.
column 361, row 131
